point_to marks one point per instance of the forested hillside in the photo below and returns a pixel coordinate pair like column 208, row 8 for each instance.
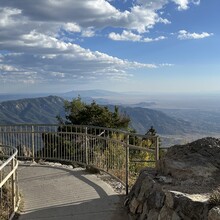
column 35, row 110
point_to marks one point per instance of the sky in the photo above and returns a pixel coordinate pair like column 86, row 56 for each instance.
column 161, row 46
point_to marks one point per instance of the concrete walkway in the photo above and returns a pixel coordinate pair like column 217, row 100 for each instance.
column 59, row 193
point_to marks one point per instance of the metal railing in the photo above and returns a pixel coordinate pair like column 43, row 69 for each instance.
column 9, row 195
column 119, row 153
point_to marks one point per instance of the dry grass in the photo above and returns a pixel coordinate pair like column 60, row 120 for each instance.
column 5, row 203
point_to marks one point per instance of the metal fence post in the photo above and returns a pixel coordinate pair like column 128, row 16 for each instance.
column 13, row 185
column 127, row 164
column 86, row 146
column 157, row 151
column 32, row 141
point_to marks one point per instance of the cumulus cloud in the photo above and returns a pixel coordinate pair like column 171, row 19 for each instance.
column 184, row 35
column 125, row 36
column 56, row 60
column 184, row 4
column 88, row 13
column 89, row 32
column 129, row 36
column 40, row 37
column 72, row 27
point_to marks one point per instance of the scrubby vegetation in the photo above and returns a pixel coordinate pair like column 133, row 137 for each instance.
column 102, row 148
column 5, row 202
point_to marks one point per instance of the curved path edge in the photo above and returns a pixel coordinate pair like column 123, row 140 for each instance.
column 61, row 192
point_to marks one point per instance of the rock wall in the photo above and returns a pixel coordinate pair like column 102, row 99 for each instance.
column 176, row 191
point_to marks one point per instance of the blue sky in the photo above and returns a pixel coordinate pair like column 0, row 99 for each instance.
column 161, row 46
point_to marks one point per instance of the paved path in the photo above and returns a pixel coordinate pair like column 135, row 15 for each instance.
column 58, row 193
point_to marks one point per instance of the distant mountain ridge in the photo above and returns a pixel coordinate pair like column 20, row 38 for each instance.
column 101, row 96
column 44, row 110
column 90, row 93
column 143, row 118
column 41, row 110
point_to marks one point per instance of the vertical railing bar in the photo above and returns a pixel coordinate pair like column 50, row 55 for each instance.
column 86, row 146
column 157, row 151
column 127, row 164
column 32, row 141
column 13, row 184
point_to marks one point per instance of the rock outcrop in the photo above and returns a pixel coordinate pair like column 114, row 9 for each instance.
column 180, row 187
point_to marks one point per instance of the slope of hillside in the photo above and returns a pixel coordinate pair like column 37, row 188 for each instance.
column 45, row 109
column 143, row 118
column 34, row 110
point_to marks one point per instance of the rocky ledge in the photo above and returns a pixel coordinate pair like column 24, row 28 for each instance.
column 181, row 185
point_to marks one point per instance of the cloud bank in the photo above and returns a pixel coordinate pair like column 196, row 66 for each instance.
column 37, row 38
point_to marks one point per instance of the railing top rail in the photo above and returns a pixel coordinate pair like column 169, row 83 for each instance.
column 5, row 163
column 83, row 126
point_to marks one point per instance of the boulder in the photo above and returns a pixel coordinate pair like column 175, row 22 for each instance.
column 180, row 188
column 196, row 163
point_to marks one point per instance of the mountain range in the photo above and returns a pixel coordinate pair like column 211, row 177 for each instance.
column 41, row 110
column 44, row 110
column 167, row 122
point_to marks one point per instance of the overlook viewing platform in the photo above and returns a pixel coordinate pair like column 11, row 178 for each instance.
column 53, row 191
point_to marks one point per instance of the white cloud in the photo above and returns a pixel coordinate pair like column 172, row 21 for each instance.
column 125, row 36
column 166, row 65
column 184, row 4
column 89, row 32
column 85, row 32
column 72, row 27
column 184, row 35
column 78, row 15
column 129, row 36
column 32, row 30
column 154, row 39
column 55, row 60
column 6, row 16
column 7, row 68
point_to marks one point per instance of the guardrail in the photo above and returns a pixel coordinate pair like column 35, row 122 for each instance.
column 119, row 153
column 9, row 195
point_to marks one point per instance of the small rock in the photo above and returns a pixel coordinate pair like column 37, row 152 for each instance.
column 92, row 169
column 165, row 213
column 214, row 213
column 164, row 179
column 133, row 205
column 153, row 214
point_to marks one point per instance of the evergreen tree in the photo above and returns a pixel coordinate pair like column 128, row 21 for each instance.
column 80, row 113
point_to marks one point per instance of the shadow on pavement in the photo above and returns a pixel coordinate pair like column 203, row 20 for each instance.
column 96, row 209
column 62, row 193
